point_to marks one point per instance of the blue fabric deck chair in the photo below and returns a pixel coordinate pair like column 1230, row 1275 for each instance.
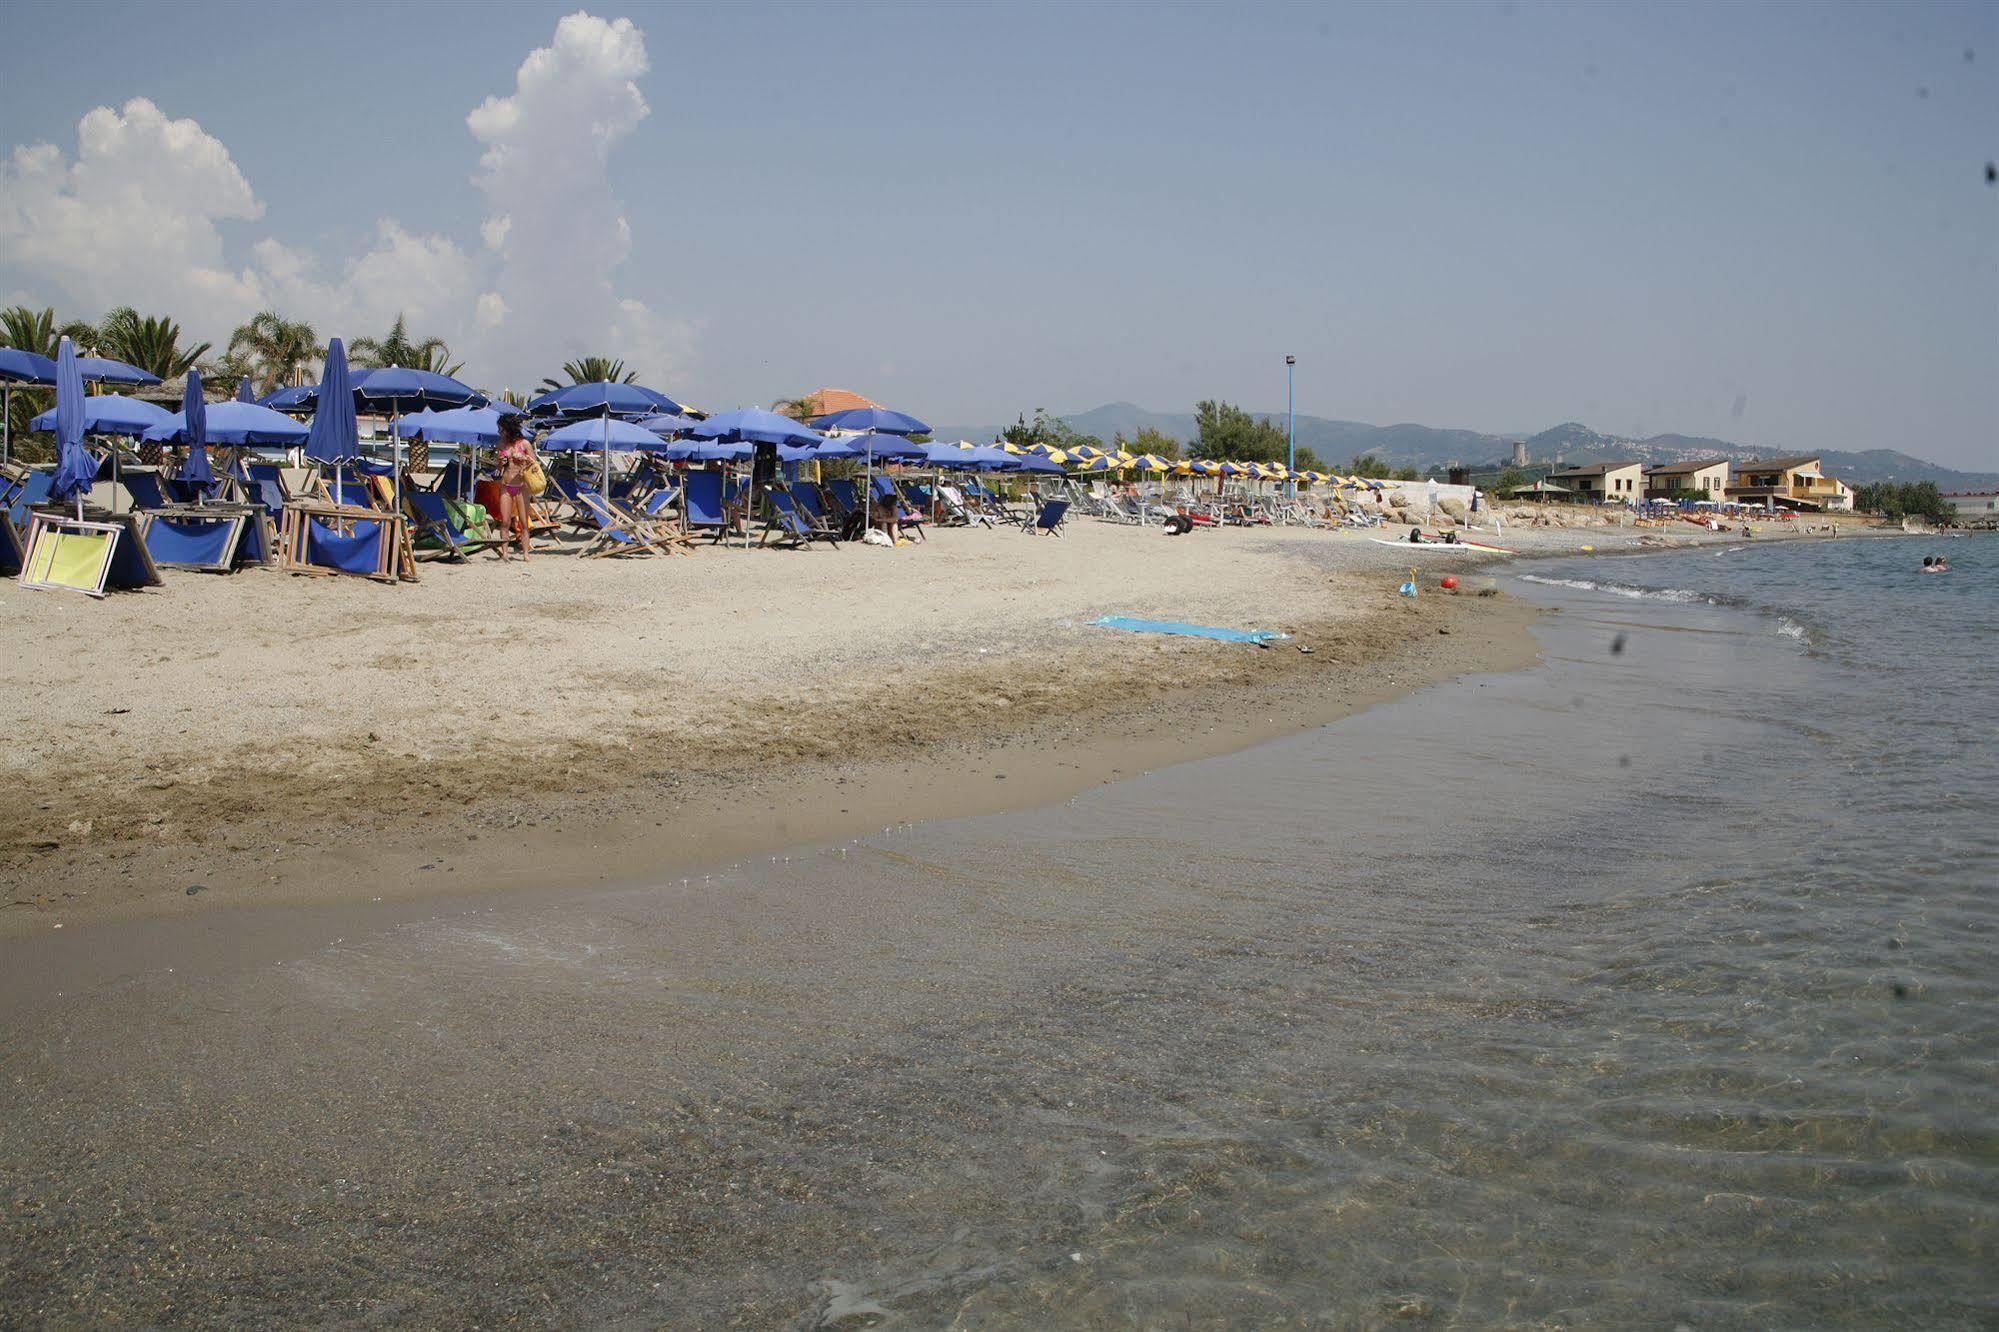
column 790, row 525
column 706, row 511
column 147, row 488
column 659, row 502
column 1049, row 520
column 363, row 551
column 12, row 557
column 845, row 495
column 438, row 534
column 34, row 488
column 190, row 541
column 454, row 480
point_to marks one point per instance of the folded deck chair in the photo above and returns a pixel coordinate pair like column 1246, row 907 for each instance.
column 619, row 531
column 701, row 499
column 438, row 533
column 182, row 537
column 1049, row 520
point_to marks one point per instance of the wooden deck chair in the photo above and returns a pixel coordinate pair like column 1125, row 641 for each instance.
column 791, row 525
column 622, row 532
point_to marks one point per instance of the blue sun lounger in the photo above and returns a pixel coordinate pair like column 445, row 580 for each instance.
column 148, row 489
column 1049, row 520
column 34, row 489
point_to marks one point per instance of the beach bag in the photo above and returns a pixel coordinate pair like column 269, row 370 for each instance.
column 533, row 478
column 874, row 536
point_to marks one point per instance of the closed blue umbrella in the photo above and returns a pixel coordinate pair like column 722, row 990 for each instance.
column 235, row 423
column 194, row 417
column 878, row 419
column 110, row 414
column 75, row 468
column 334, row 437
column 19, row 367
column 244, row 393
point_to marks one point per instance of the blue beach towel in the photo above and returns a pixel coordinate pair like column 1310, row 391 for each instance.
column 1189, row 630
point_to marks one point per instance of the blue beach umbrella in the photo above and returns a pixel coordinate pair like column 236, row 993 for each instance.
column 397, row 389
column 75, row 468
column 599, row 398
column 194, row 418
column 668, row 423
column 703, row 450
column 19, row 367
column 334, row 437
column 235, row 423
column 297, row 398
column 888, row 446
column 104, row 370
column 582, row 436
column 753, row 425
column 110, row 414
column 244, row 393
column 879, row 420
column 459, row 425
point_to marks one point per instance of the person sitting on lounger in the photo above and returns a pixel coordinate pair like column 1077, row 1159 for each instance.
column 885, row 515
column 514, row 456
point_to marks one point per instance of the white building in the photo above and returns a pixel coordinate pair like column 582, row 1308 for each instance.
column 1973, row 506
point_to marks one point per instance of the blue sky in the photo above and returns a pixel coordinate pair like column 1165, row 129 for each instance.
column 1765, row 223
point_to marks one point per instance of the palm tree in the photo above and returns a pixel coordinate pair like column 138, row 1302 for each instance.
column 592, row 370
column 800, row 408
column 272, row 349
column 151, row 342
column 399, row 348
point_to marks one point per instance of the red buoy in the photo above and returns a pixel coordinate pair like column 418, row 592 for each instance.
column 1450, row 583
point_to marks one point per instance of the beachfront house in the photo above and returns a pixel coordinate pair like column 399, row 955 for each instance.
column 1973, row 506
column 1789, row 483
column 1603, row 481
column 1705, row 479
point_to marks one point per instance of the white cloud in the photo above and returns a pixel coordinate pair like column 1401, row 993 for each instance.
column 554, row 221
column 136, row 219
column 133, row 220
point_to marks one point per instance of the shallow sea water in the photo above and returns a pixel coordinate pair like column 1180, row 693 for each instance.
column 1651, row 986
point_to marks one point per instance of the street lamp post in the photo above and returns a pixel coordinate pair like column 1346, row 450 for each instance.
column 1291, row 429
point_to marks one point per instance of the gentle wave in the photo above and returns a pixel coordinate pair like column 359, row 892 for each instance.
column 1680, row 595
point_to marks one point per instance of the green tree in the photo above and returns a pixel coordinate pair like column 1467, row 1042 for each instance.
column 1225, row 431
column 397, row 347
column 1149, row 439
column 1046, row 429
column 1367, row 466
column 271, row 349
column 591, row 370
column 151, row 342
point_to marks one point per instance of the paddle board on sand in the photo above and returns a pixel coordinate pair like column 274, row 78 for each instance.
column 1445, row 547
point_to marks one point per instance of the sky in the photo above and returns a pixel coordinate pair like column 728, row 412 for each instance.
column 1770, row 224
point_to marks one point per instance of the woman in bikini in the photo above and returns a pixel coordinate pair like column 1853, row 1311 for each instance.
column 514, row 456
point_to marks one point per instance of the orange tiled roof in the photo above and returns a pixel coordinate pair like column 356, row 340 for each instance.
column 826, row 401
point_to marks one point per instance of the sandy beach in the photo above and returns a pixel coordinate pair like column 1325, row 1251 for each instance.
column 273, row 738
column 263, row 738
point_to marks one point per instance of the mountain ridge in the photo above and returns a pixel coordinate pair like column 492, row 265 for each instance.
column 1410, row 444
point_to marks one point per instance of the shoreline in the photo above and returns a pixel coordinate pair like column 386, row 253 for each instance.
column 644, row 804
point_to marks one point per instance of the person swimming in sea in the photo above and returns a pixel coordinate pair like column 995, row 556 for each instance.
column 1935, row 564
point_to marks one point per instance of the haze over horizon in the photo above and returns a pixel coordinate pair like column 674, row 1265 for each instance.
column 1766, row 224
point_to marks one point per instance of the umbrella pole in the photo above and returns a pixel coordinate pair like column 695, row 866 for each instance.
column 396, row 452
column 7, row 427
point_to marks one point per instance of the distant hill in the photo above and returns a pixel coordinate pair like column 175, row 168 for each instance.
column 1410, row 445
